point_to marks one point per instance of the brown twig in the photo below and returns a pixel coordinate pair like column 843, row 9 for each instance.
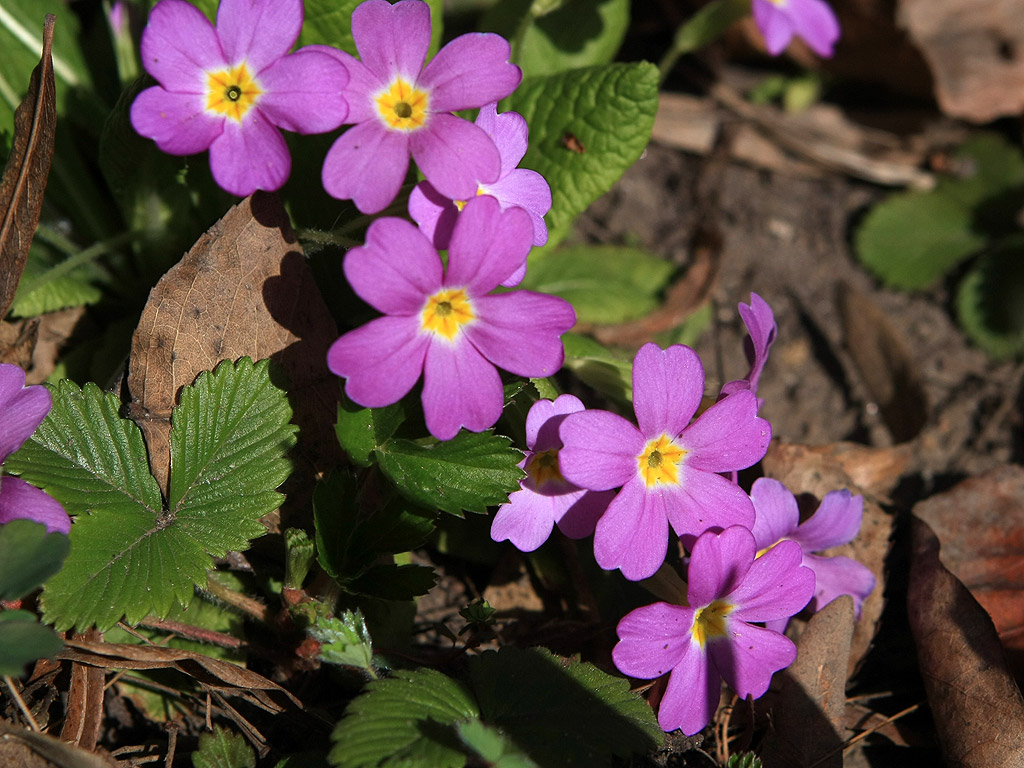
column 21, row 704
column 864, row 734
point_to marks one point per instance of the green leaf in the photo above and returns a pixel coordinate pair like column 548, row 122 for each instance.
column 23, row 640
column 990, row 300
column 598, row 368
column 576, row 33
column 493, row 747
column 48, row 285
column 605, row 284
column 561, row 712
column 223, row 749
column 393, row 582
column 992, row 166
column 401, row 721
column 345, row 640
column 911, row 239
column 608, row 109
column 708, row 24
column 467, row 473
column 131, row 556
column 29, row 555
column 360, row 430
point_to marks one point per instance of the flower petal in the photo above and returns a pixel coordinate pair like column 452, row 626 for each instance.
column 601, row 450
column 692, row 694
column 179, row 45
column 521, row 331
column 392, row 39
column 761, row 329
column 303, row 92
column 545, row 418
column 469, row 72
column 668, row 385
column 836, row 521
column 22, row 409
column 775, row 25
column 434, row 213
column 381, row 360
column 454, row 155
column 580, row 519
column 719, row 563
column 528, row 190
column 727, row 436
column 526, row 520
column 367, row 164
column 508, row 131
column 776, row 587
column 396, row 270
column 177, row 122
column 250, row 155
column 632, row 534
column 814, row 21
column 835, row 576
column 362, row 84
column 487, row 245
column 706, row 500
column 750, row 656
column 258, row 32
column 21, row 501
column 776, row 513
column 653, row 640
column 460, row 389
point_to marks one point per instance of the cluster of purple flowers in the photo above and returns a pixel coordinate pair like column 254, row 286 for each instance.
column 750, row 560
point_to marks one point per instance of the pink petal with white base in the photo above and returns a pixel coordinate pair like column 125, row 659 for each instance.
column 389, row 285
column 601, row 450
column 250, row 155
column 520, row 331
column 177, row 122
column 460, row 389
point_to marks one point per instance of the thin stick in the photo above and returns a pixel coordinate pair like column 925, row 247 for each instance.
column 863, row 735
column 21, row 705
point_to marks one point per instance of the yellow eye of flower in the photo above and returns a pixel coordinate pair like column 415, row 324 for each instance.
column 710, row 621
column 543, row 467
column 659, row 461
column 446, row 311
column 232, row 92
column 401, row 106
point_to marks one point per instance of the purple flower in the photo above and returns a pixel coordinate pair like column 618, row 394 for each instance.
column 711, row 639
column 521, row 187
column 667, row 470
column 22, row 409
column 835, row 522
column 226, row 88
column 813, row 20
column 761, row 330
column 400, row 107
column 444, row 323
column 546, row 497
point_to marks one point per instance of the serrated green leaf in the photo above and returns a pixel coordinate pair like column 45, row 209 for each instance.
column 492, row 746
column 29, row 555
column 598, row 368
column 911, row 239
column 561, row 712
column 468, row 473
column 47, row 284
column 23, row 640
column 393, row 582
column 223, row 749
column 131, row 556
column 992, row 165
column 360, row 430
column 604, row 284
column 401, row 721
column 990, row 300
column 345, row 640
column 574, row 34
column 608, row 109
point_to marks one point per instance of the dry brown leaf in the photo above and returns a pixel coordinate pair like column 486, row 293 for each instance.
column 974, row 50
column 816, row 471
column 18, row 341
column 20, row 748
column 884, row 364
column 980, row 523
column 977, row 708
column 85, row 703
column 809, row 710
column 28, row 165
column 243, row 290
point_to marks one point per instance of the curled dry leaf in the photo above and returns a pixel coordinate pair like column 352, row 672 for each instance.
column 28, row 165
column 85, row 702
column 809, row 711
column 977, row 708
column 980, row 523
column 817, row 471
column 243, row 289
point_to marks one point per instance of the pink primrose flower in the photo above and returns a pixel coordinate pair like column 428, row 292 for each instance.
column 711, row 638
column 667, row 468
column 813, row 20
column 835, row 522
column 444, row 323
column 401, row 107
column 547, row 498
column 761, row 331
column 22, row 410
column 229, row 88
column 515, row 186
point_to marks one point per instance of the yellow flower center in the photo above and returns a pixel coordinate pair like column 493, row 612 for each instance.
column 543, row 467
column 232, row 92
column 401, row 106
column 460, row 204
column 446, row 311
column 710, row 621
column 659, row 462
